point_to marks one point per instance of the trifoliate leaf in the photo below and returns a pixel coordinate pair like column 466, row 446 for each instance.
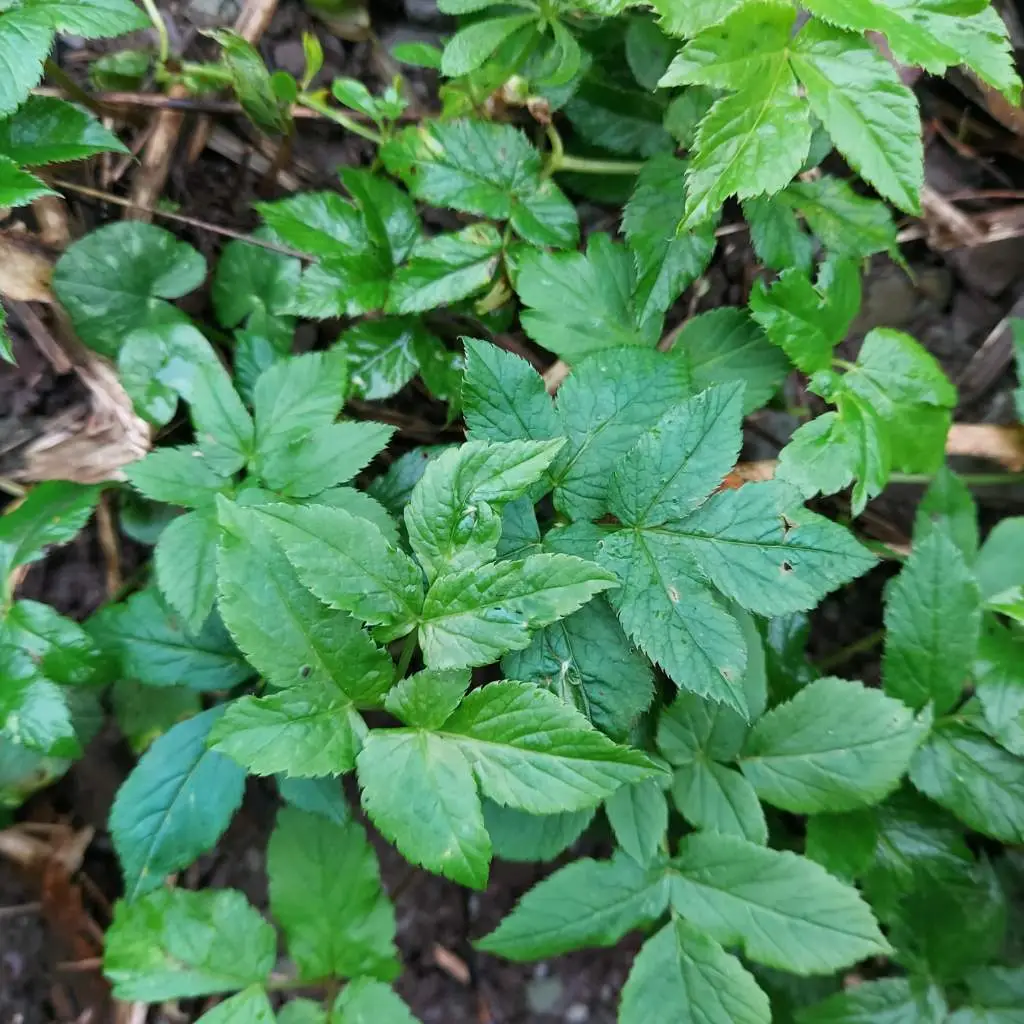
column 446, row 269
column 153, row 822
column 586, row 903
column 347, row 562
column 152, row 647
column 785, row 911
column 252, row 281
column 365, row 1001
column 723, row 346
column 587, row 661
column 888, row 1000
column 638, row 815
column 185, row 563
column 518, row 836
column 116, row 279
column 177, row 944
column 420, row 793
column 452, row 517
column 474, row 616
column 45, row 130
column 926, row 659
column 667, row 262
column 325, row 891
column 178, row 476
column 579, row 303
column 681, row 976
column 249, row 1007
column 978, row 781
column 483, row 168
column 504, row 397
column 834, row 747
column 878, row 134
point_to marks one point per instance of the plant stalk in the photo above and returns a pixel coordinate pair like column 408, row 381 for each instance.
column 164, row 40
column 315, row 103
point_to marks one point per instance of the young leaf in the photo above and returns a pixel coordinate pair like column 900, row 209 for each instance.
column 346, row 561
column 114, row 279
column 445, row 269
column 926, row 658
column 365, row 1001
column 452, row 519
column 834, row 747
column 667, row 262
column 586, row 903
column 325, row 891
column 186, row 570
column 45, row 130
column 982, row 784
column 579, row 303
column 785, row 911
column 178, row 476
column 224, row 429
column 249, row 1007
column 681, row 976
column 474, row 616
column 153, row 822
column 178, row 944
column 483, row 168
column 638, row 815
column 152, row 647
column 888, row 999
column 427, row 699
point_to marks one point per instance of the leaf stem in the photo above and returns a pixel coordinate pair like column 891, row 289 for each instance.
column 405, row 658
column 585, row 165
column 315, row 103
column 844, row 654
column 970, row 479
column 164, row 40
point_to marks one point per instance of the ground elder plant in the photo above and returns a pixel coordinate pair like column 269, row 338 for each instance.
column 578, row 620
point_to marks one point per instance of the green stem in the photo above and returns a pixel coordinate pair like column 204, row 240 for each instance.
column 405, row 658
column 161, row 29
column 315, row 103
column 844, row 654
column 584, row 165
column 970, row 479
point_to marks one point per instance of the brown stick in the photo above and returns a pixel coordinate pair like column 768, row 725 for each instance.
column 156, row 161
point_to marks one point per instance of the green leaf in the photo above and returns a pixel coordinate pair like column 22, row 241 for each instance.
column 251, row 280
column 777, row 236
column 249, row 1007
column 504, row 396
column 420, row 793
column 667, row 262
column 45, row 130
column 587, row 661
column 452, row 518
column 998, row 567
column 178, row 476
column 116, row 279
column 886, row 1001
column 325, row 891
column 61, row 648
column 365, row 1001
column 604, row 407
column 94, row 19
column 807, row 321
column 153, row 822
column 26, row 36
column 677, row 463
column 6, row 352
column 785, row 911
column 178, row 944
column 687, row 20
column 445, row 269
column 302, row 1011
column 767, row 554
column 347, row 562
column 304, row 731
column 186, row 570
column 999, row 686
column 145, row 713
column 34, row 711
column 291, row 637
column 616, row 117
column 579, row 303
column 724, row 346
column 648, row 51
column 692, row 729
column 931, row 38
column 316, row 796
column 995, row 997
column 224, row 429
column 471, row 46
column 486, row 169
column 427, row 699
column 926, row 658
column 518, row 836
column 680, row 976
column 322, row 224
column 878, row 134
column 948, row 507
column 834, row 747
column 384, row 355
column 153, row 648
column 978, row 781
column 638, row 815
column 843, row 844
column 52, row 512
column 17, row 186
column 474, row 616
column 586, row 903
